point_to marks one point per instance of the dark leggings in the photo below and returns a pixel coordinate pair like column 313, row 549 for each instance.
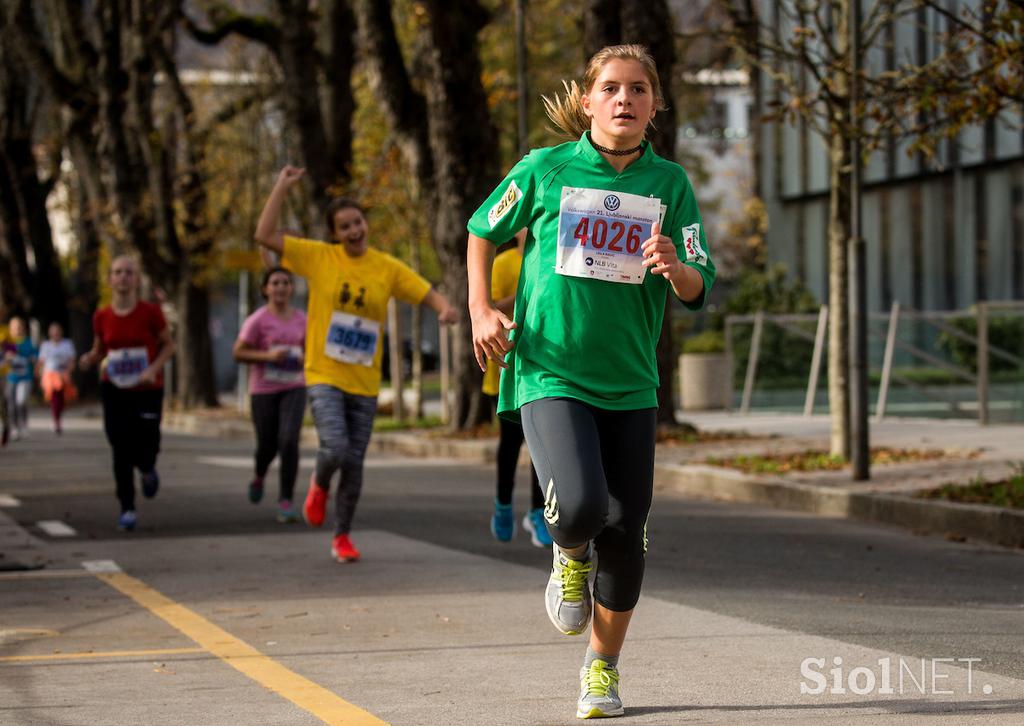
column 277, row 418
column 131, row 420
column 57, row 405
column 597, row 469
column 509, row 444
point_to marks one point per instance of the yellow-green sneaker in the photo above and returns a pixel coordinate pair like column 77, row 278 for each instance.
column 567, row 596
column 599, row 691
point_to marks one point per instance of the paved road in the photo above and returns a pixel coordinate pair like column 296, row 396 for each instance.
column 440, row 623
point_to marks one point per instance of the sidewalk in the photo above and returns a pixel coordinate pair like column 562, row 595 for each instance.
column 989, row 452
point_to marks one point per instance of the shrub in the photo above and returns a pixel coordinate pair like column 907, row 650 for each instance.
column 710, row 341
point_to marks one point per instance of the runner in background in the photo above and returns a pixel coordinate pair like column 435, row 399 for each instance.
column 272, row 340
column 56, row 361
column 582, row 372
column 20, row 354
column 133, row 342
column 350, row 284
column 504, row 281
column 6, row 344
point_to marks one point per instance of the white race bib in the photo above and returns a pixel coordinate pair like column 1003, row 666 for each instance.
column 125, row 365
column 600, row 234
column 352, row 339
column 287, row 371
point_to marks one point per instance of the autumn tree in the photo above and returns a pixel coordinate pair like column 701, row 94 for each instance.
column 447, row 140
column 313, row 46
column 25, row 183
column 138, row 148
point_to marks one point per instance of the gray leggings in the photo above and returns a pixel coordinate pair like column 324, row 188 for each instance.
column 17, row 398
column 596, row 467
column 344, row 423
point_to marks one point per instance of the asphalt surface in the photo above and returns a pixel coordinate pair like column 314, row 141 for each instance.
column 440, row 623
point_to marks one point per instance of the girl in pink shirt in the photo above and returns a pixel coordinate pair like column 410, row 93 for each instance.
column 272, row 341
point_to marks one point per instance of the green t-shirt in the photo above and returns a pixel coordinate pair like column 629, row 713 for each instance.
column 585, row 328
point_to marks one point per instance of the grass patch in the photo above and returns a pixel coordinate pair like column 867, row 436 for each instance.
column 1007, row 492
column 685, row 433
column 818, row 460
column 386, row 423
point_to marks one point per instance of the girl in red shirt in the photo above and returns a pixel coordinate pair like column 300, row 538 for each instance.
column 131, row 338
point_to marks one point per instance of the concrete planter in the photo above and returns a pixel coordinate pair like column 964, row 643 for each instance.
column 705, row 381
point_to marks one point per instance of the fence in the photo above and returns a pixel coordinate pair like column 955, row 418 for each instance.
column 940, row 321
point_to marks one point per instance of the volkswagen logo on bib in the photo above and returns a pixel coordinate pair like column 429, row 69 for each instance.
column 611, row 202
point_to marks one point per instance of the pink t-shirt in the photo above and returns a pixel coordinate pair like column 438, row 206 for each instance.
column 265, row 331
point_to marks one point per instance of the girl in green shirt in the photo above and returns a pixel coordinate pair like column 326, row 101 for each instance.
column 611, row 228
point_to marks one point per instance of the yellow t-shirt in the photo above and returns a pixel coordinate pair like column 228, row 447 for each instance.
column 348, row 302
column 504, row 281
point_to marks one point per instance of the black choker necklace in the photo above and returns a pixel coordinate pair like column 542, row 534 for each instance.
column 616, row 152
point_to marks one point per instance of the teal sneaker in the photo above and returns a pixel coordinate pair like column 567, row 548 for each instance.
column 286, row 514
column 567, row 597
column 533, row 522
column 503, row 523
column 599, row 691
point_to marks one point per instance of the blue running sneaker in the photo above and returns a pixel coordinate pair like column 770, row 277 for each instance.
column 126, row 522
column 503, row 523
column 150, row 484
column 533, row 522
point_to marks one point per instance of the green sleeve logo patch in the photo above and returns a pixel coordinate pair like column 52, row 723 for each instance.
column 508, row 200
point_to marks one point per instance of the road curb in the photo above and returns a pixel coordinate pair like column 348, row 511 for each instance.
column 983, row 523
column 995, row 525
column 19, row 549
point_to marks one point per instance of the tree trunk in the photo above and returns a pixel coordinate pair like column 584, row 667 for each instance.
column 84, row 284
column 463, row 143
column 648, row 22
column 194, row 354
column 838, row 323
column 838, row 242
column 16, row 276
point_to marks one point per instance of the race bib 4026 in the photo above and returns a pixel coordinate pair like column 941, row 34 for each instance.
column 600, row 234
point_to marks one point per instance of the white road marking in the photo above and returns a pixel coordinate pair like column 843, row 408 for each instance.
column 101, row 566
column 56, row 528
column 6, row 500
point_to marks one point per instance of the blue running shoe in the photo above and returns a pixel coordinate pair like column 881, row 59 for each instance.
column 126, row 522
column 533, row 522
column 150, row 484
column 503, row 523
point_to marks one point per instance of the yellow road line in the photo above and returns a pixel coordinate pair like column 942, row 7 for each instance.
column 104, row 654
column 303, row 692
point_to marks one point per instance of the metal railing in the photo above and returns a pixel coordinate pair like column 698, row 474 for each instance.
column 941, row 320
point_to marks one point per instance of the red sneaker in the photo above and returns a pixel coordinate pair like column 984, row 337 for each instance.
column 315, row 506
column 343, row 550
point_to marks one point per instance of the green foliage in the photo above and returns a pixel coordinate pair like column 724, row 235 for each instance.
column 782, row 354
column 1004, row 332
column 385, row 423
column 710, row 341
column 1008, row 492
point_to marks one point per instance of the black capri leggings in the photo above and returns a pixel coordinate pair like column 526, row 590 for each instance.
column 596, row 467
column 277, row 418
column 131, row 420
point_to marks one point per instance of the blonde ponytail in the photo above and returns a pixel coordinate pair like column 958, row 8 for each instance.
column 566, row 112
